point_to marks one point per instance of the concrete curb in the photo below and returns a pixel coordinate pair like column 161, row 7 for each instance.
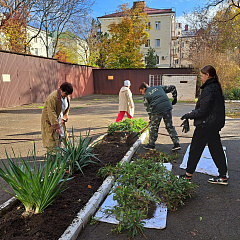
column 82, row 218
column 90, row 208
column 7, row 206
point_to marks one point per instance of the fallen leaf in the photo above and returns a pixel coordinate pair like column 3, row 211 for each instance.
column 193, row 233
column 200, row 218
column 89, row 186
column 238, row 200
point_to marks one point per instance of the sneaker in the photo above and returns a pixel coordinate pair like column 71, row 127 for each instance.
column 218, row 180
column 149, row 147
column 189, row 178
column 176, row 147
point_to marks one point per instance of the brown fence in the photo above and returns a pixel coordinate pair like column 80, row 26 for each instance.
column 28, row 79
column 109, row 81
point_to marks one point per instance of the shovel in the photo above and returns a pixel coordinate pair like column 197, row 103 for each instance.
column 133, row 137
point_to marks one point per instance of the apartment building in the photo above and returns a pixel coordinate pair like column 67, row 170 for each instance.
column 41, row 44
column 161, row 28
column 182, row 46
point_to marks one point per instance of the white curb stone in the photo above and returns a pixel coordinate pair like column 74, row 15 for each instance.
column 90, row 208
column 7, row 205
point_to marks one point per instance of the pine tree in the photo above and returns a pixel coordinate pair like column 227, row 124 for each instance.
column 151, row 58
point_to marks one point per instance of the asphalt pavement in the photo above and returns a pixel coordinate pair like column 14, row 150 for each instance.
column 212, row 214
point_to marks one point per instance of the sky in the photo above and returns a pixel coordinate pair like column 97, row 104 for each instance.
column 103, row 7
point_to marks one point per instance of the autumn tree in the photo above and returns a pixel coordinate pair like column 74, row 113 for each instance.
column 13, row 22
column 53, row 16
column 215, row 41
column 121, row 48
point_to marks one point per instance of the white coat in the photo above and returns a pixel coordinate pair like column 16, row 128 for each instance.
column 125, row 101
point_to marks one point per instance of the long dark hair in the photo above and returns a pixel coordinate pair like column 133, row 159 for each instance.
column 210, row 70
column 212, row 73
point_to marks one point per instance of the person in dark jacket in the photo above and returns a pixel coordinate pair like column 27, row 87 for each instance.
column 159, row 106
column 209, row 119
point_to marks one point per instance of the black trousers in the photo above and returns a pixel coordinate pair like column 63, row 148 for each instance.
column 201, row 138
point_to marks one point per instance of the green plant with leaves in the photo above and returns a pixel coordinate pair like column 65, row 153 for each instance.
column 140, row 184
column 158, row 156
column 128, row 125
column 35, row 185
column 232, row 94
column 78, row 153
column 151, row 58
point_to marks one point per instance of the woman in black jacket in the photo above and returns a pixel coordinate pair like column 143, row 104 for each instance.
column 209, row 119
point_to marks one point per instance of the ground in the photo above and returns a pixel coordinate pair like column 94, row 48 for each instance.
column 216, row 206
column 55, row 219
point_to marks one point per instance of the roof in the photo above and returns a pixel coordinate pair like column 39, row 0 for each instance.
column 146, row 10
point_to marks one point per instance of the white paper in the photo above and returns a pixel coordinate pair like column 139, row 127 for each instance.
column 206, row 164
column 158, row 220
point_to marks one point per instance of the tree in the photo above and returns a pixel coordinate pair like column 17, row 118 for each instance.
column 69, row 47
column 228, row 6
column 121, row 48
column 53, row 16
column 15, row 35
column 14, row 19
column 151, row 58
column 214, row 41
column 88, row 38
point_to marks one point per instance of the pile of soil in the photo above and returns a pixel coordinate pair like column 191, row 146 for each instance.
column 52, row 223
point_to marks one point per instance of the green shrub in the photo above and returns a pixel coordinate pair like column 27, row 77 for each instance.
column 232, row 94
column 141, row 183
column 127, row 125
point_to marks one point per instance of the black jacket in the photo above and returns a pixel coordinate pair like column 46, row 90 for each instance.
column 210, row 108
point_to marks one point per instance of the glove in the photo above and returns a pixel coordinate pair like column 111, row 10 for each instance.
column 185, row 116
column 185, row 125
column 174, row 101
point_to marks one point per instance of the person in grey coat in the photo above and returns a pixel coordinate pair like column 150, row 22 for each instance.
column 159, row 106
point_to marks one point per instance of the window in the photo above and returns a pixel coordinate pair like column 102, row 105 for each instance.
column 147, row 44
column 148, row 26
column 35, row 39
column 183, row 44
column 157, row 25
column 36, row 51
column 157, row 60
column 157, row 43
column 182, row 55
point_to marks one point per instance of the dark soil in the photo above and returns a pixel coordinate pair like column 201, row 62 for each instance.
column 52, row 223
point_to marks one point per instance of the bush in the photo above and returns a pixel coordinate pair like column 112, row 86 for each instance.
column 141, row 183
column 127, row 125
column 233, row 94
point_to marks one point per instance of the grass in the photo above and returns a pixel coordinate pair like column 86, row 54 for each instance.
column 76, row 107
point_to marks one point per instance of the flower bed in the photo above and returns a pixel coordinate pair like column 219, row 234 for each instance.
column 58, row 216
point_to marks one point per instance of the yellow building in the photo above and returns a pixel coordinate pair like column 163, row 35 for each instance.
column 161, row 29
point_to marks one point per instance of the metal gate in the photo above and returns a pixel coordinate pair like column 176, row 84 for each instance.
column 155, row 80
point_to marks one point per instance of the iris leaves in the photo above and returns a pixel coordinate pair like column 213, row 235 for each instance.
column 34, row 184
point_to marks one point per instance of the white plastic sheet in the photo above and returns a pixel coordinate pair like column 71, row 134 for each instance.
column 158, row 220
column 206, row 164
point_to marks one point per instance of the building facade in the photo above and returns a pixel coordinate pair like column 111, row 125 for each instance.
column 161, row 29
